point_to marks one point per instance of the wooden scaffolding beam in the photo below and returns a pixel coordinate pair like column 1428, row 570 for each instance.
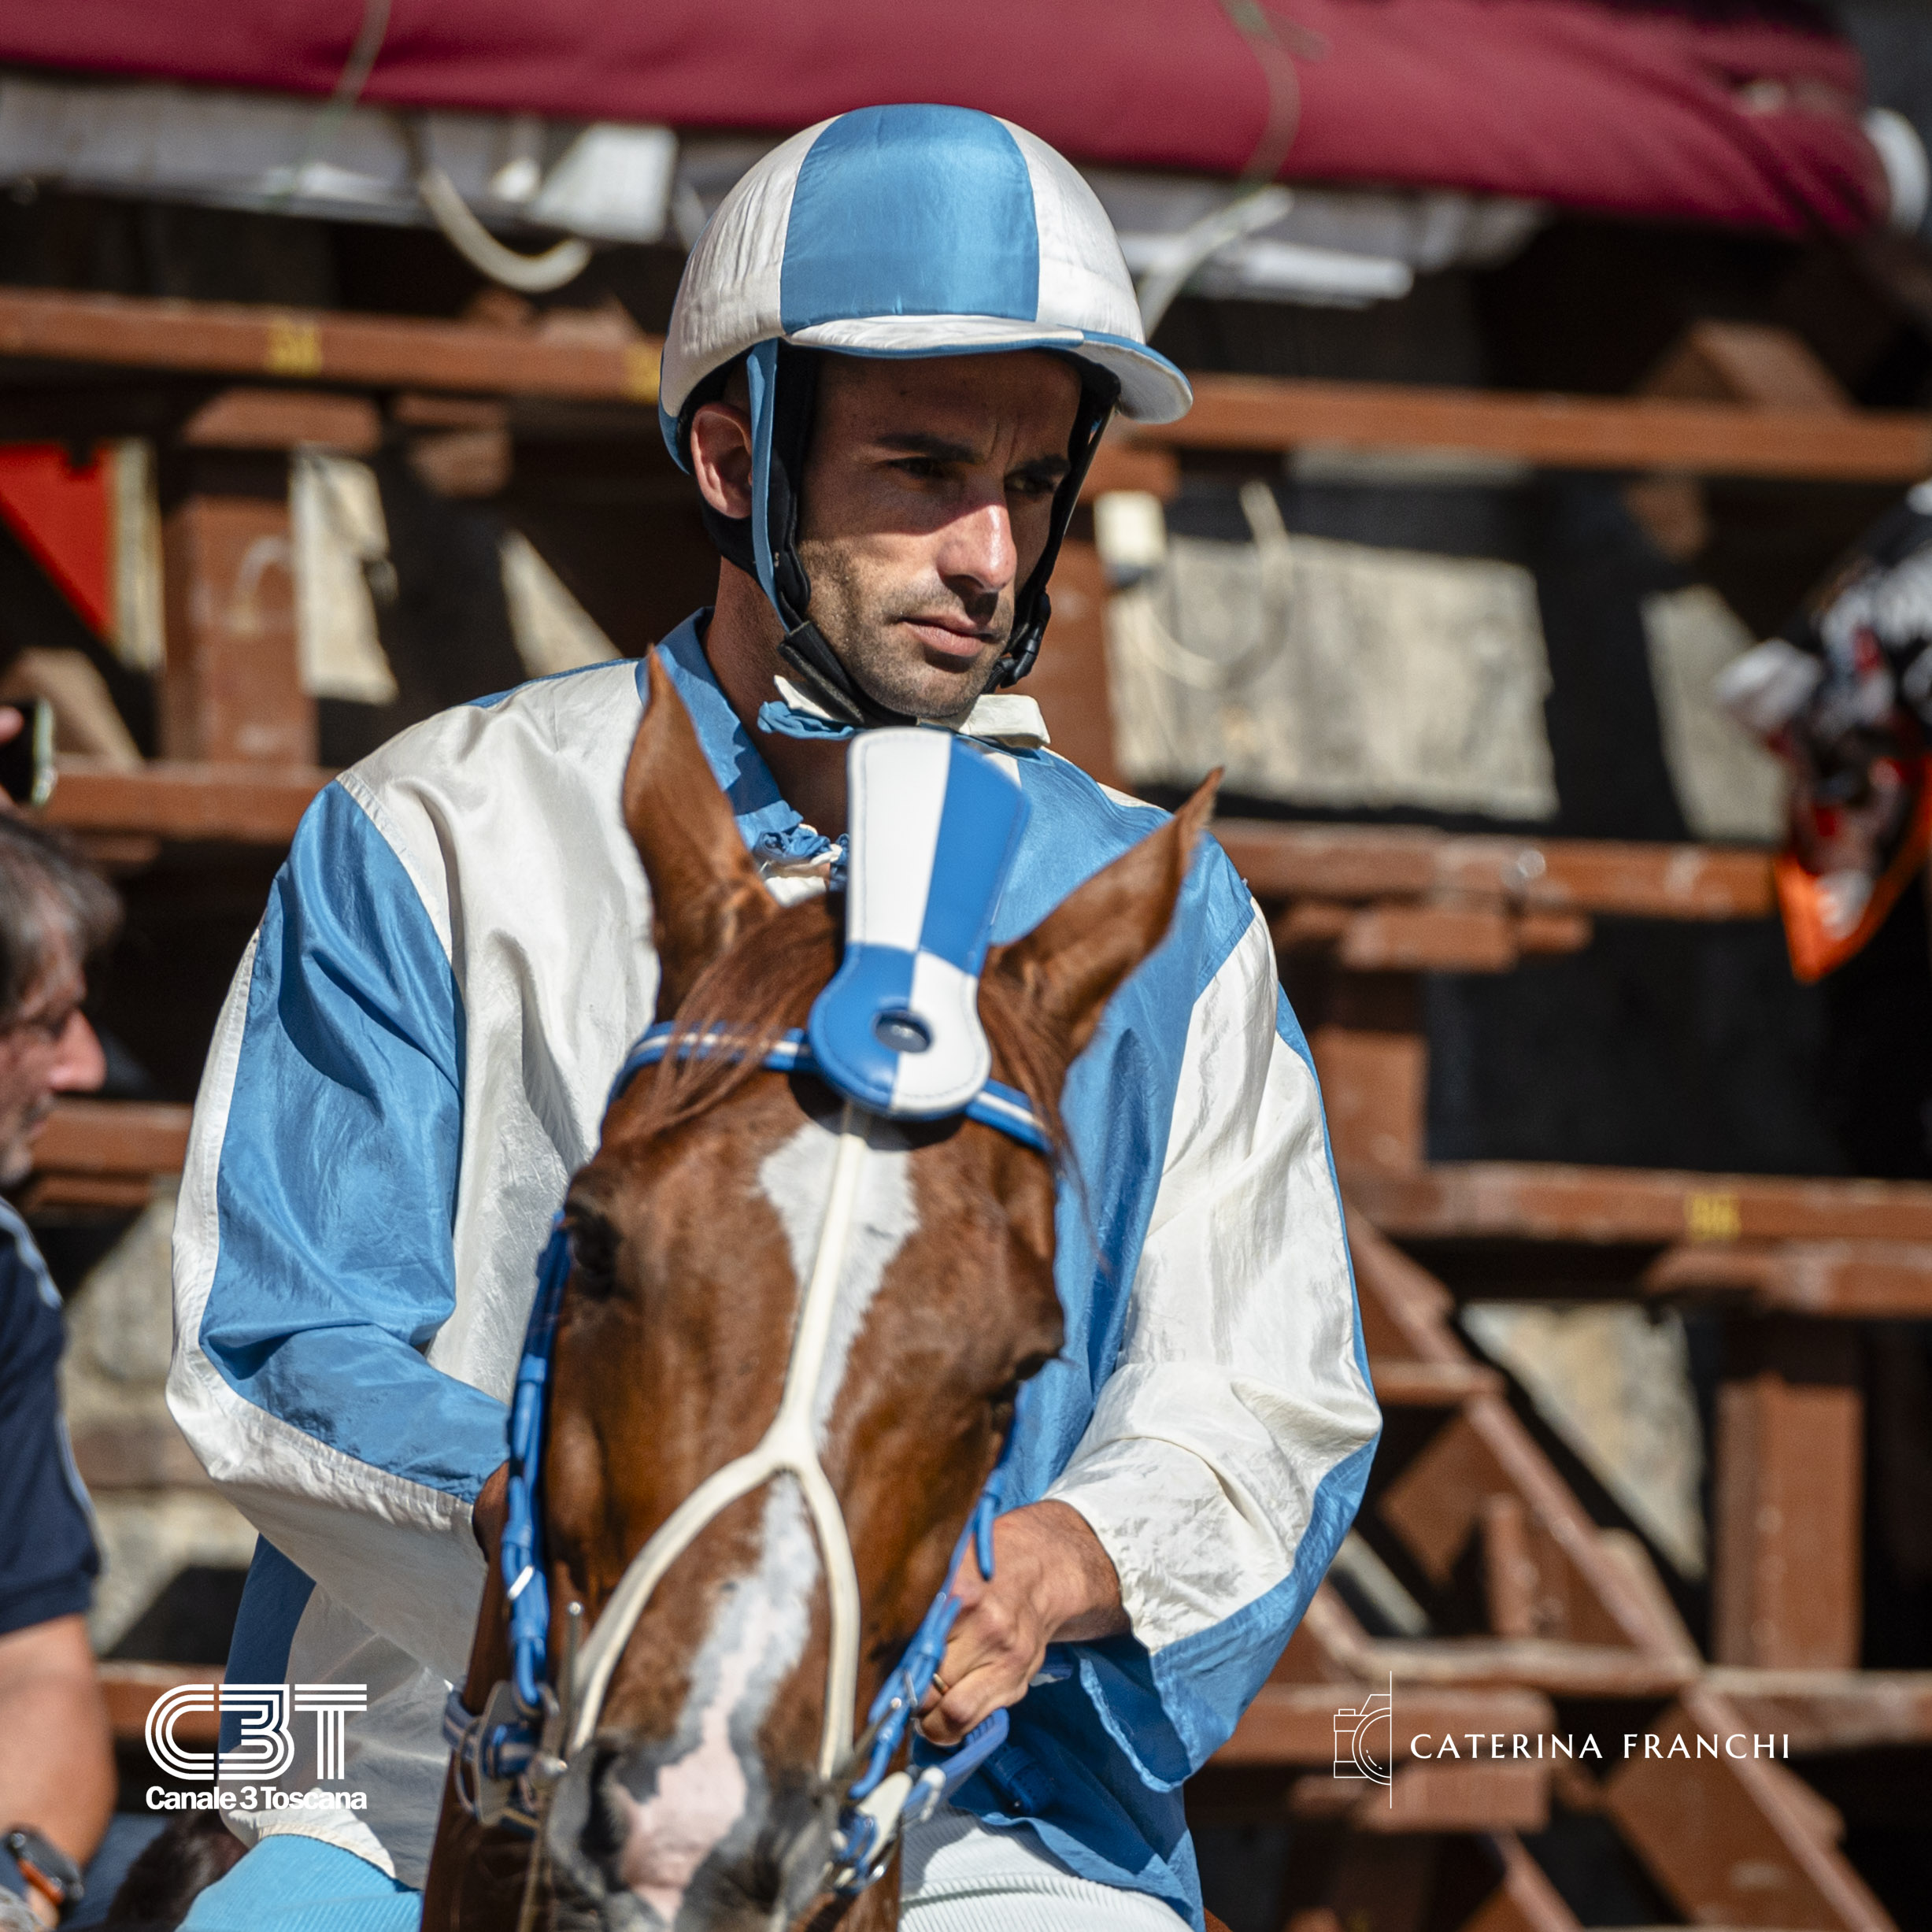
column 579, row 363
column 1258, row 413
column 1558, row 432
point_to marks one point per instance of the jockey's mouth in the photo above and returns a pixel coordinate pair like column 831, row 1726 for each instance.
column 952, row 638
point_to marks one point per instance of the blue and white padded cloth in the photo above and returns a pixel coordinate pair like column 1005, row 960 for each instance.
column 413, row 1060
column 935, row 825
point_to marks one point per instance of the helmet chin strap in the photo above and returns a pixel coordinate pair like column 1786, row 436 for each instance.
column 783, row 412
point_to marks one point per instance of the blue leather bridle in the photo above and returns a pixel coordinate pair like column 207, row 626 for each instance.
column 510, row 1754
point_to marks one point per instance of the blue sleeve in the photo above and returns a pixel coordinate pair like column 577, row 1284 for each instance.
column 336, row 1188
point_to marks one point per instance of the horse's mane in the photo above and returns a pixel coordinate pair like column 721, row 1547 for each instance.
column 764, row 986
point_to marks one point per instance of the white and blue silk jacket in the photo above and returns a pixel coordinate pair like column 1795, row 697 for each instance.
column 414, row 1058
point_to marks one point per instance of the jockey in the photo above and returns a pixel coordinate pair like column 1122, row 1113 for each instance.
column 891, row 356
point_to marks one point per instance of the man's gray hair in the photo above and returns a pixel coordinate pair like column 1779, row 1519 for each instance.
column 51, row 901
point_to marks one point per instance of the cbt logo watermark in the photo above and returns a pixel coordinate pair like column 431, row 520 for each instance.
column 1365, row 1740
column 266, row 1748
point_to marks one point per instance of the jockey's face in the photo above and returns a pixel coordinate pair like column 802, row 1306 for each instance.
column 928, row 498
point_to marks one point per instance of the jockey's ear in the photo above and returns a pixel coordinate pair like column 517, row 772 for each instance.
column 705, row 891
column 1072, row 962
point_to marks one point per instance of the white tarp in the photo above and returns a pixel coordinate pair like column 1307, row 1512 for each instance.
column 1326, row 673
column 335, row 518
column 1615, row 1384
column 1729, row 788
column 553, row 631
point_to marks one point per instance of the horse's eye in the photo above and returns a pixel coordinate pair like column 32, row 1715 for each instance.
column 593, row 1248
column 1007, row 1394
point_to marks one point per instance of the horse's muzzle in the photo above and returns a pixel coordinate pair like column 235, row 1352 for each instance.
column 636, row 1845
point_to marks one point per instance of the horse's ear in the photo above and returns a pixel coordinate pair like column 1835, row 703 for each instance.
column 705, row 891
column 1071, row 963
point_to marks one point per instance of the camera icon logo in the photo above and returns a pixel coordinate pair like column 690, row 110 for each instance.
column 1365, row 1739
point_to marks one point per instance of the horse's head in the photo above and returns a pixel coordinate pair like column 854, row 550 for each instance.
column 700, row 1802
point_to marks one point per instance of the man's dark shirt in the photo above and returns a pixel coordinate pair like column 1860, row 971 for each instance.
column 48, row 1561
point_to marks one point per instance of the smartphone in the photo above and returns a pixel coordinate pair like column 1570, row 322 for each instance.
column 27, row 758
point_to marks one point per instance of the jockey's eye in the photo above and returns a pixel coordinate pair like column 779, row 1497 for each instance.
column 593, row 1248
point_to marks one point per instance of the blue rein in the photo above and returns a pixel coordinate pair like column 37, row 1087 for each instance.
column 501, row 1761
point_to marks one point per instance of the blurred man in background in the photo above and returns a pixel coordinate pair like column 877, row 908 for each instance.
column 57, row 1773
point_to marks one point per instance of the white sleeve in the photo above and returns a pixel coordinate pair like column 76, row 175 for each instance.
column 1241, row 1383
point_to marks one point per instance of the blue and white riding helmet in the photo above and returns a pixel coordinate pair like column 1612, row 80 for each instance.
column 900, row 230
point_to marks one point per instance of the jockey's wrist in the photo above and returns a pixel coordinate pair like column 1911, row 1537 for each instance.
column 487, row 1513
column 1077, row 1594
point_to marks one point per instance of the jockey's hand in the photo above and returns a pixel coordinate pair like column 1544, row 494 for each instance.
column 492, row 1505
column 1052, row 1582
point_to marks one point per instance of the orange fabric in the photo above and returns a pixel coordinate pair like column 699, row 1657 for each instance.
column 1801, row 896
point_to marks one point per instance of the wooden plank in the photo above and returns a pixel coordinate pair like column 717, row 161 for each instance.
column 1280, row 861
column 1295, row 1723
column 1372, row 1057
column 1752, row 362
column 1546, row 1665
column 314, row 346
column 1827, row 1711
column 1432, row 938
column 147, row 1454
column 1119, row 464
column 1526, row 1900
column 239, row 804
column 1547, row 933
column 1070, row 682
column 1512, row 1582
column 1587, row 432
column 1406, row 1311
column 1510, row 1200
column 232, row 689
column 1477, row 1476
column 131, row 1689
column 1354, row 863
column 1402, row 936
column 1429, row 1385
column 1852, row 1280
column 46, row 1196
column 281, row 418
column 1733, row 1843
column 1239, row 412
column 111, row 1137
column 1629, row 881
column 1787, row 1497
column 1432, row 1798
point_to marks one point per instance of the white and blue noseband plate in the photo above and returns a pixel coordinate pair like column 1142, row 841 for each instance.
column 935, row 823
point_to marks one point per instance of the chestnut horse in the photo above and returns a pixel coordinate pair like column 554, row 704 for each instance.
column 699, row 1802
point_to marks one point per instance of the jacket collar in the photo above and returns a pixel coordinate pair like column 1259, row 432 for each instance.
column 773, row 831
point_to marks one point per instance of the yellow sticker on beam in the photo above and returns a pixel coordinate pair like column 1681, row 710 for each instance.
column 1713, row 1217
column 294, row 348
column 640, row 372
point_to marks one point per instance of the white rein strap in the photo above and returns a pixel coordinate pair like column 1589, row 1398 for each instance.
column 789, row 1447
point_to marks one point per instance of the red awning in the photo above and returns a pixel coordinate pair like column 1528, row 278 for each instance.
column 1714, row 113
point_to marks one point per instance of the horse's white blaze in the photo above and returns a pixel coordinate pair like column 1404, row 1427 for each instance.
column 753, row 1646
column 796, row 1178
column 759, row 1633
